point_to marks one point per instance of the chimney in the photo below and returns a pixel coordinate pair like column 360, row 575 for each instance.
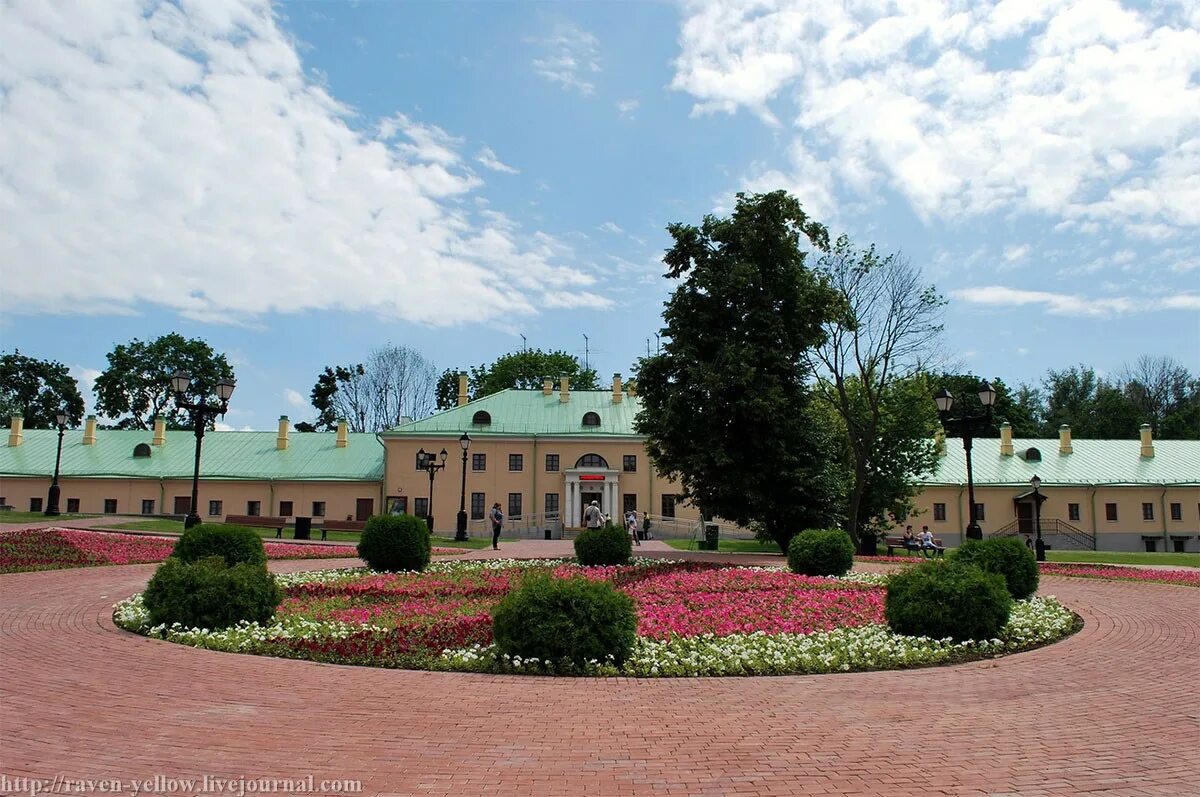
column 1147, row 441
column 160, row 431
column 547, row 386
column 564, row 389
column 89, row 431
column 16, row 433
column 939, row 441
column 281, row 442
column 617, row 394
column 632, row 385
column 343, row 433
column 1006, row 449
column 1064, row 439
column 462, row 388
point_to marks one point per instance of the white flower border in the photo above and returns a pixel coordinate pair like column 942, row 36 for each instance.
column 1033, row 622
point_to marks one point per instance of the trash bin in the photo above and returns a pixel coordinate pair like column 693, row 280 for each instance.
column 710, row 537
column 303, row 528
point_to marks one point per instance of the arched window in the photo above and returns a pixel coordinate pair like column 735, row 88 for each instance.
column 1033, row 455
column 481, row 418
column 591, row 419
column 591, row 461
column 141, row 450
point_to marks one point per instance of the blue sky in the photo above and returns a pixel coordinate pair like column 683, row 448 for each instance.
column 298, row 183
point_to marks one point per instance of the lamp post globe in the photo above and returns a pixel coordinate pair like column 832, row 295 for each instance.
column 968, row 425
column 201, row 411
column 460, row 526
column 52, row 498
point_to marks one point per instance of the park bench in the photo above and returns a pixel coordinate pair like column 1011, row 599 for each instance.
column 341, row 525
column 898, row 542
column 258, row 522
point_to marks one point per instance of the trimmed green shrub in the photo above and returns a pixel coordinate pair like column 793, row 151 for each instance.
column 234, row 544
column 565, row 621
column 1009, row 557
column 947, row 599
column 608, row 545
column 395, row 542
column 821, row 552
column 210, row 594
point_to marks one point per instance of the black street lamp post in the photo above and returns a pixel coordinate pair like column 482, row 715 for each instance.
column 52, row 498
column 202, row 412
column 1038, row 498
column 429, row 463
column 968, row 425
column 460, row 532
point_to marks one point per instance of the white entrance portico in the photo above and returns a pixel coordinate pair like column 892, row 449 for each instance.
column 598, row 484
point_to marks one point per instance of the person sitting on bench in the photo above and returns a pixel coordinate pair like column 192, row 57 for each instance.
column 910, row 540
column 928, row 546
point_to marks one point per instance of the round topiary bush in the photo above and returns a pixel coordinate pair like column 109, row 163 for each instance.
column 565, row 621
column 947, row 599
column 210, row 594
column 395, row 542
column 234, row 544
column 821, row 552
column 608, row 545
column 1009, row 557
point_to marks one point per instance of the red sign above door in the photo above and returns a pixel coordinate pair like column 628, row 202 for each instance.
column 591, row 477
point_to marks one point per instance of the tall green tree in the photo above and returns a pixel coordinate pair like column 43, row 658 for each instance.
column 135, row 388
column 726, row 406
column 891, row 328
column 38, row 390
column 1166, row 395
column 523, row 370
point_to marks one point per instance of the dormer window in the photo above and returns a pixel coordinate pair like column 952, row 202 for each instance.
column 1033, row 455
column 591, row 461
column 481, row 418
column 141, row 450
column 591, row 419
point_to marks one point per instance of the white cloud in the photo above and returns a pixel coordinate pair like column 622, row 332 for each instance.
column 221, row 426
column 178, row 155
column 295, row 398
column 489, row 160
column 1014, row 253
column 608, row 226
column 1072, row 109
column 569, row 57
column 627, row 107
column 86, row 377
column 1074, row 304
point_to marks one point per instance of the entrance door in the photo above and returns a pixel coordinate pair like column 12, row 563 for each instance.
column 364, row 508
column 183, row 504
column 1025, row 517
column 587, row 499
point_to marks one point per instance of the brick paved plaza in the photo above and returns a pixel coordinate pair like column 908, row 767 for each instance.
column 1110, row 711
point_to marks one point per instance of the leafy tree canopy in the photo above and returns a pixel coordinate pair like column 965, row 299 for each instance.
column 38, row 390
column 135, row 388
column 726, row 407
column 523, row 370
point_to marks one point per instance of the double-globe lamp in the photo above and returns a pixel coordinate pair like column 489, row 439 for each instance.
column 968, row 425
column 201, row 413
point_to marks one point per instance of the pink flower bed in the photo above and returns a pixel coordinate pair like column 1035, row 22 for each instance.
column 55, row 549
column 1189, row 578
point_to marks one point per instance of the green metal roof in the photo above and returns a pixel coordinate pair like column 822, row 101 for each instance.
column 226, row 455
column 530, row 412
column 1092, row 462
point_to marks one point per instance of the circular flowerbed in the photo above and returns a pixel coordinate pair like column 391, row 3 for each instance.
column 693, row 619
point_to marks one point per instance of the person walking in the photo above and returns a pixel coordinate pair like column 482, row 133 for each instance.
column 497, row 525
column 593, row 518
column 631, row 526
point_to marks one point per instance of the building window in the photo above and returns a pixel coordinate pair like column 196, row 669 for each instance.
column 629, row 503
column 1147, row 511
column 552, row 463
column 1176, row 511
column 591, row 461
column 1073, row 512
column 980, row 512
column 514, row 505
column 1110, row 512
column 35, row 505
column 516, row 462
column 318, row 509
column 421, row 507
column 939, row 512
column 591, row 419
column 551, row 505
column 72, row 505
column 479, row 462
column 110, row 506
column 629, row 463
column 285, row 509
column 254, row 508
column 477, row 505
column 216, row 508
column 147, row 506
column 668, row 505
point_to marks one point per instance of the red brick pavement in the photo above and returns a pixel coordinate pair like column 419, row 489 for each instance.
column 1109, row 711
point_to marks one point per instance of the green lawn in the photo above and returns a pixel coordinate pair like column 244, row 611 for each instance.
column 1125, row 558
column 37, row 517
column 727, row 546
column 148, row 525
